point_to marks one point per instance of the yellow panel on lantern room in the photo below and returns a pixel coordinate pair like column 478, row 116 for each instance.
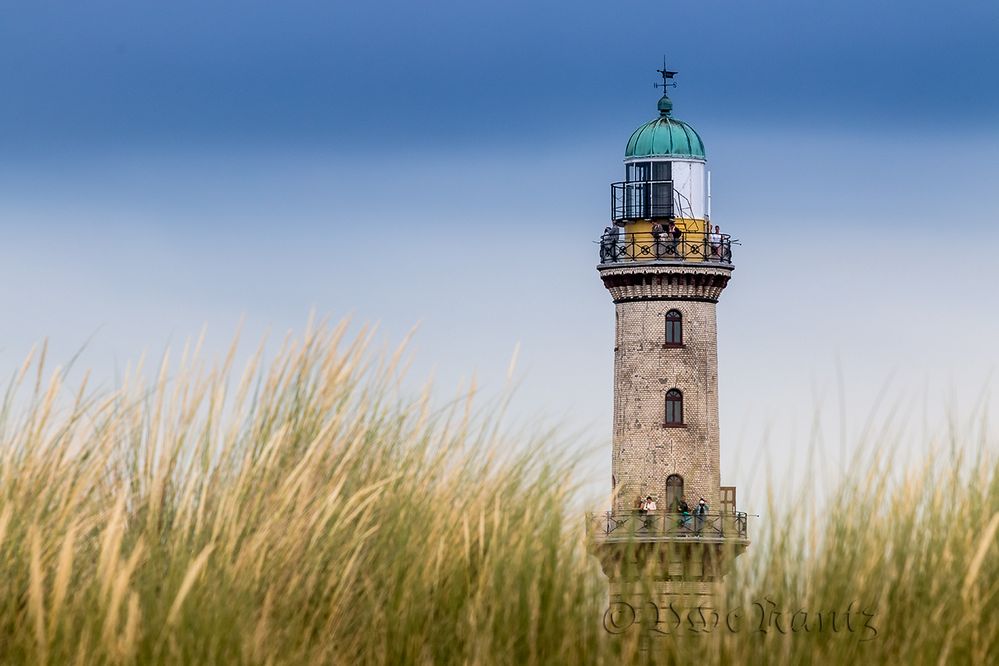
column 640, row 246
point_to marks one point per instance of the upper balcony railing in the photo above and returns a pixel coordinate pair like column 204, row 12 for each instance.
column 642, row 200
column 660, row 525
column 617, row 247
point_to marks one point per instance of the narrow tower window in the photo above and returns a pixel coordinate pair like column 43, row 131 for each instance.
column 674, row 329
column 674, row 407
column 674, row 491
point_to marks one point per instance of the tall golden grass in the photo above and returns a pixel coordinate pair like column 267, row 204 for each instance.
column 303, row 510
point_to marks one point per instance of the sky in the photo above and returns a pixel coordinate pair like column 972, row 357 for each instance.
column 168, row 166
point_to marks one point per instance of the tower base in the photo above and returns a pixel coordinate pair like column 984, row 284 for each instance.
column 662, row 586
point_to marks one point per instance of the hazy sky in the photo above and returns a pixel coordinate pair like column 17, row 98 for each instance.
column 168, row 165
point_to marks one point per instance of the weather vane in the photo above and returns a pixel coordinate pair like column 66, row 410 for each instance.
column 667, row 75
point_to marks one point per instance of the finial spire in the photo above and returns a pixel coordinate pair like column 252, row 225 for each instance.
column 665, row 103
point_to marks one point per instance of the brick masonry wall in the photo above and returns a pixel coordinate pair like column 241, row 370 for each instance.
column 645, row 452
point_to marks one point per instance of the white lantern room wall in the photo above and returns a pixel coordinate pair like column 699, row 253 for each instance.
column 689, row 184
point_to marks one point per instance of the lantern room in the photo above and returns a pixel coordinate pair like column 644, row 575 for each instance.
column 666, row 190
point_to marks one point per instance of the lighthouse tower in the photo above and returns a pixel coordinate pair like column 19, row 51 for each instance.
column 665, row 266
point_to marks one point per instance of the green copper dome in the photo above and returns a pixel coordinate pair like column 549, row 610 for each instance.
column 665, row 137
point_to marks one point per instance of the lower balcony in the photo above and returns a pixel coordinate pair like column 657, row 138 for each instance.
column 636, row 525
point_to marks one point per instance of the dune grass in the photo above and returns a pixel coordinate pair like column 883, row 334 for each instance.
column 303, row 510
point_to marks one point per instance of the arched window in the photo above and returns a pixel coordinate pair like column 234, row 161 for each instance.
column 674, row 407
column 674, row 491
column 674, row 329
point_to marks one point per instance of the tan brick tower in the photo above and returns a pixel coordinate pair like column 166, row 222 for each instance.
column 665, row 267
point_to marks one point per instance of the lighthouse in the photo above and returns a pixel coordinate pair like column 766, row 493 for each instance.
column 672, row 529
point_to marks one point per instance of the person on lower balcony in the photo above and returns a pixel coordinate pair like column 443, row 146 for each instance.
column 684, row 509
column 650, row 510
column 700, row 513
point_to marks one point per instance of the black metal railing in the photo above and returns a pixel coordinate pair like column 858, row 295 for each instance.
column 663, row 246
column 625, row 525
column 642, row 200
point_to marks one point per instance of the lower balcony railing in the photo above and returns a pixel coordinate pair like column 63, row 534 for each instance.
column 648, row 246
column 627, row 525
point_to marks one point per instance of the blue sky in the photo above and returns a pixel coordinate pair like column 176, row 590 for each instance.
column 165, row 166
column 111, row 76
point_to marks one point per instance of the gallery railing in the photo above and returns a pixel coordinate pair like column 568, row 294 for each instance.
column 642, row 200
column 648, row 246
column 627, row 525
